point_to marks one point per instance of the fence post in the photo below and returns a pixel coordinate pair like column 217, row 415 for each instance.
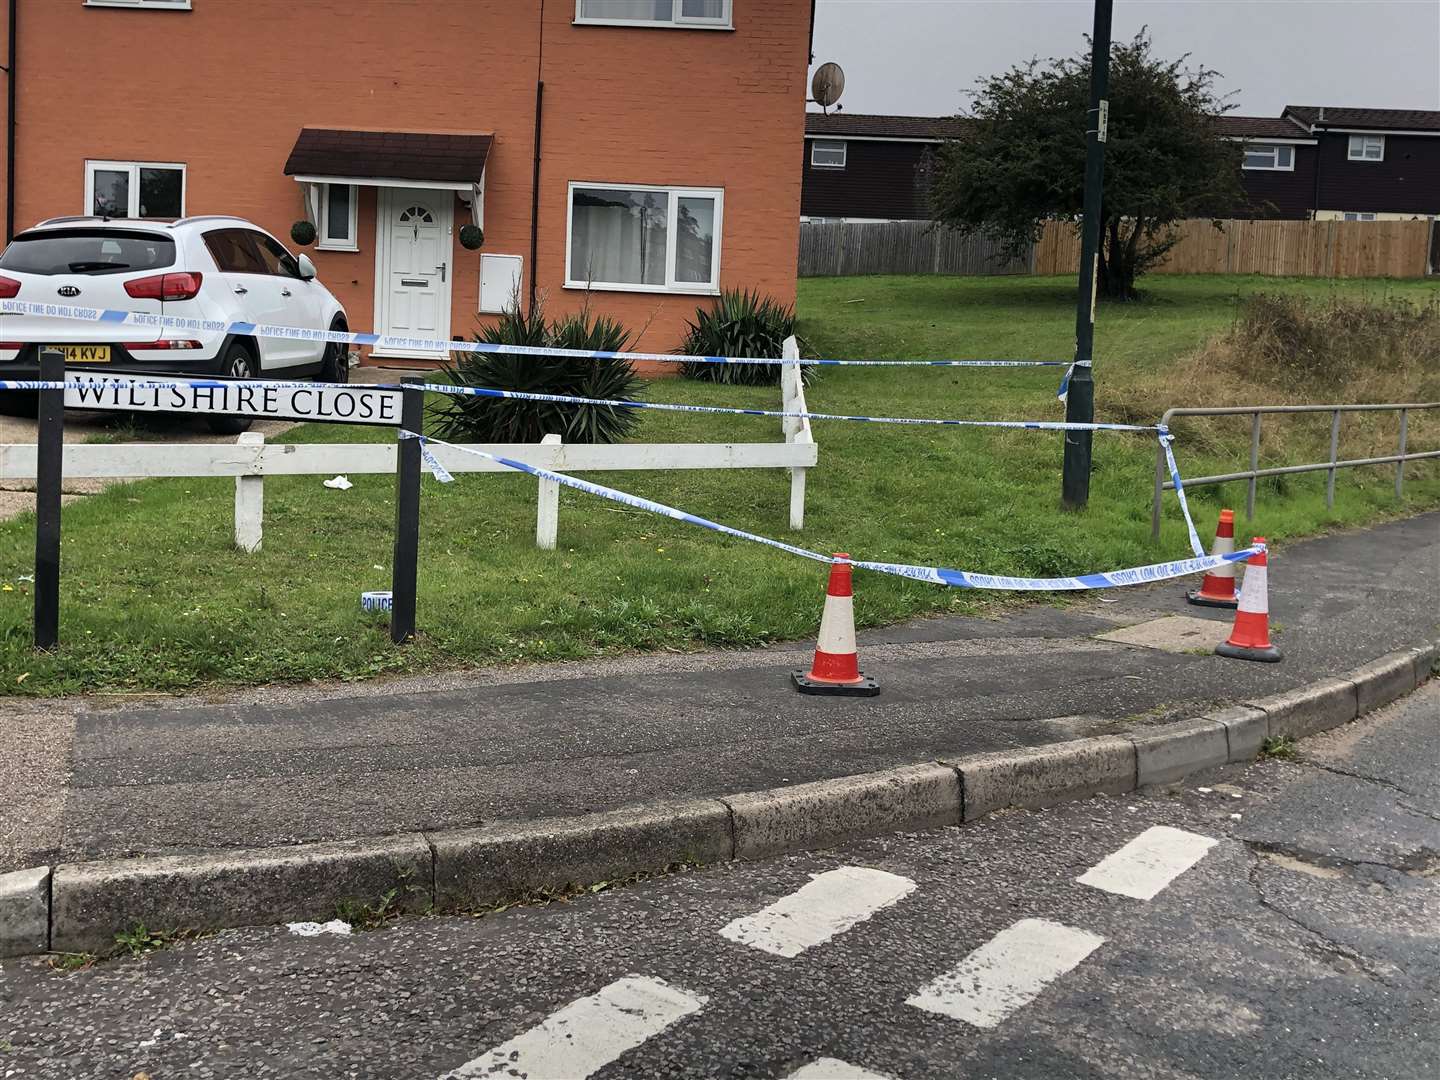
column 407, row 514
column 1400, row 465
column 1334, row 450
column 1254, row 464
column 250, row 499
column 49, row 471
column 547, row 508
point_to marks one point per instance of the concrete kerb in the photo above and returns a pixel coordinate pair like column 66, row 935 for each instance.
column 80, row 907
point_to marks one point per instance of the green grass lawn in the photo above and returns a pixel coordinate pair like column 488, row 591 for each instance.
column 155, row 597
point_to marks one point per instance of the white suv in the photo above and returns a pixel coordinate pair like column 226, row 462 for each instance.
column 217, row 268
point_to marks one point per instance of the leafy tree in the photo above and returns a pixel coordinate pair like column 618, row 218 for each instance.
column 1023, row 161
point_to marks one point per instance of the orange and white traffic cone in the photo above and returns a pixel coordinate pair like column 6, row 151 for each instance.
column 836, row 669
column 1250, row 639
column 1217, row 588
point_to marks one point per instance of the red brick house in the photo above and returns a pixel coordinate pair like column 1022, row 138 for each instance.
column 640, row 152
column 870, row 167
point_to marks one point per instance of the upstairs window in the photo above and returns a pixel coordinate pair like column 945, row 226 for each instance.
column 337, row 231
column 1356, row 216
column 827, row 153
column 134, row 189
column 161, row 5
column 712, row 14
column 1266, row 156
column 1367, row 148
column 644, row 239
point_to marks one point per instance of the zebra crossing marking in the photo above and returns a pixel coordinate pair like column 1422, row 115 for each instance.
column 829, row 904
column 828, row 1068
column 1148, row 863
column 586, row 1035
column 1006, row 973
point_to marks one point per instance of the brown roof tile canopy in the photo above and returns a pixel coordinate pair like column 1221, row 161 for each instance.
column 393, row 155
column 892, row 127
column 1260, row 127
column 1379, row 119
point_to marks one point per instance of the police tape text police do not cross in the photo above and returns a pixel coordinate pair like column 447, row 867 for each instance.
column 352, row 405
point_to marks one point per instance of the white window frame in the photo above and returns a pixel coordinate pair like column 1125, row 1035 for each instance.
column 692, row 288
column 323, row 240
column 134, row 168
column 677, row 20
column 1364, row 143
column 830, row 145
column 1357, row 215
column 152, row 5
column 1274, row 149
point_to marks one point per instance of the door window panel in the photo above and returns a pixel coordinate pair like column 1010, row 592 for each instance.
column 234, row 252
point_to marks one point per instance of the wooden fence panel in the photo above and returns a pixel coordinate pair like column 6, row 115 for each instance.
column 1346, row 249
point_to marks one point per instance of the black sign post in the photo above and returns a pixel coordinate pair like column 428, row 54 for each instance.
column 49, row 467
column 407, row 516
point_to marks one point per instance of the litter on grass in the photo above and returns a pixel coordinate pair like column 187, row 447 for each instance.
column 339, row 483
column 315, row 929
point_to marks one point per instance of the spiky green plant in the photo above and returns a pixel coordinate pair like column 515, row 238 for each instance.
column 741, row 323
column 484, row 419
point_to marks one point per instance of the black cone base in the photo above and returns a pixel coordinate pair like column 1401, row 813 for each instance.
column 1268, row 655
column 1205, row 601
column 806, row 685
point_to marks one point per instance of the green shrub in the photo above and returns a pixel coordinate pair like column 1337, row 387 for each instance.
column 485, row 419
column 740, row 324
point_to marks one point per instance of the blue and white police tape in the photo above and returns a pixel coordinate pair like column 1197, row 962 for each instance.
column 784, row 414
column 937, row 575
column 150, row 382
column 1064, row 392
column 1165, row 444
column 437, row 345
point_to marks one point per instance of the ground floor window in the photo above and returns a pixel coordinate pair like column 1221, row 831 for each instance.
column 647, row 239
column 337, row 218
column 1355, row 216
column 134, row 189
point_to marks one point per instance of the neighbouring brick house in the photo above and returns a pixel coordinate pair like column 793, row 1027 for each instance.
column 864, row 167
column 1326, row 163
column 643, row 149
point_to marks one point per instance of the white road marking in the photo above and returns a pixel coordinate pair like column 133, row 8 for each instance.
column 588, row 1034
column 1007, row 972
column 1148, row 863
column 829, row 904
column 835, row 1069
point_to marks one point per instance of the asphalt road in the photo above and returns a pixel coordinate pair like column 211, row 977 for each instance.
column 1276, row 920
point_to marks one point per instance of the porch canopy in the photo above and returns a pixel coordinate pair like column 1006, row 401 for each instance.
column 452, row 161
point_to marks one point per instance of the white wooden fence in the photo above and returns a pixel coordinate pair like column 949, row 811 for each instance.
column 251, row 459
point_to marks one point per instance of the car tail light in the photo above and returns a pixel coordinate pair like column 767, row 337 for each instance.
column 11, row 346
column 136, row 346
column 164, row 287
column 9, row 288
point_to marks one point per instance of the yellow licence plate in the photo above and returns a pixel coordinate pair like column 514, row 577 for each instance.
column 86, row 354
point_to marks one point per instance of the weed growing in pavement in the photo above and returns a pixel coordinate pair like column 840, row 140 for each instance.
column 1279, row 747
column 138, row 940
column 563, row 893
column 68, row 962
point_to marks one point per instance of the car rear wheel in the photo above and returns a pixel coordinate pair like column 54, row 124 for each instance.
column 19, row 403
column 335, row 367
column 238, row 364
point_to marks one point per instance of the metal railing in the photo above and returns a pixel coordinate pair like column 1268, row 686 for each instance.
column 1254, row 473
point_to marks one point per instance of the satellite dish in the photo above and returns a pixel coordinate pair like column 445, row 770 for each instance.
column 827, row 85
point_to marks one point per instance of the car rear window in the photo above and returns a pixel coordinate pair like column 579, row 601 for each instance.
column 87, row 251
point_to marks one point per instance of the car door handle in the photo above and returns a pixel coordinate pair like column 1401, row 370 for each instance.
column 284, row 292
column 241, row 289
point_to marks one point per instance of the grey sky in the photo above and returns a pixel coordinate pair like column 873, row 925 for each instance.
column 922, row 56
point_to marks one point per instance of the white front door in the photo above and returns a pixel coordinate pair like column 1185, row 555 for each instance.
column 413, row 247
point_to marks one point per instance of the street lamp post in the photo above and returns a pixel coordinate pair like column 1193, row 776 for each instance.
column 1080, row 401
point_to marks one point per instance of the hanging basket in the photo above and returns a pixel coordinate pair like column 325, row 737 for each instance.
column 471, row 237
column 303, row 233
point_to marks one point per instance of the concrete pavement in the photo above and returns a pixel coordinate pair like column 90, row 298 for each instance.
column 267, row 768
column 1282, row 921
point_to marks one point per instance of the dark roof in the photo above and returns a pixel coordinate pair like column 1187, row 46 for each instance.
column 880, row 127
column 1260, row 127
column 395, row 155
column 1392, row 119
